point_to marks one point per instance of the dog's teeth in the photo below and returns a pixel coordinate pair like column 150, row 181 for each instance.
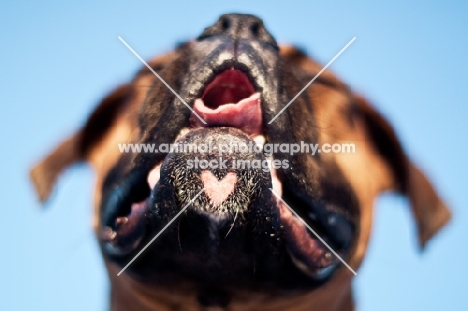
column 327, row 259
column 108, row 234
column 120, row 221
column 260, row 140
column 182, row 132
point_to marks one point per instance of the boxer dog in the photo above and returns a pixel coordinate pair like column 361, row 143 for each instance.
column 229, row 236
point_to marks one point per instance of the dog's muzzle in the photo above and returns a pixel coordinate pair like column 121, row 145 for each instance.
column 236, row 230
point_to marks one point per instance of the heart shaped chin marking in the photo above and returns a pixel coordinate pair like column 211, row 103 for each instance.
column 218, row 190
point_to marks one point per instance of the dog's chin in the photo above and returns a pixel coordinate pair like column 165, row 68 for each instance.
column 240, row 222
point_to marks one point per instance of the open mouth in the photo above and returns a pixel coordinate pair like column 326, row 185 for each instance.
column 231, row 99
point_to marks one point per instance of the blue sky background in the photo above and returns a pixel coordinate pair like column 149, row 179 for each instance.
column 58, row 59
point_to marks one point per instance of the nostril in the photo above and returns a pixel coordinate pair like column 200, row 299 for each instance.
column 255, row 29
column 225, row 24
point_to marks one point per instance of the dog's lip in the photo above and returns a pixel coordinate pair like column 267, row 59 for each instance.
column 307, row 253
column 127, row 231
column 303, row 247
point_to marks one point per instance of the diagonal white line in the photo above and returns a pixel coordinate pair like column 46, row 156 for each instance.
column 315, row 233
column 160, row 232
column 161, row 79
column 313, row 79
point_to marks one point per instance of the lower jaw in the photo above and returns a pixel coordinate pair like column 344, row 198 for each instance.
column 316, row 270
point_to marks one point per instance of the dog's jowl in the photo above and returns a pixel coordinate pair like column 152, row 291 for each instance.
column 232, row 220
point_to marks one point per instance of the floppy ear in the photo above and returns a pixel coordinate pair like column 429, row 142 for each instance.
column 430, row 213
column 77, row 147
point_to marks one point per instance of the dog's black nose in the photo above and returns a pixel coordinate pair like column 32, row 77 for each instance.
column 239, row 27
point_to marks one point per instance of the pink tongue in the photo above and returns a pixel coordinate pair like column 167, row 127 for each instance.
column 245, row 115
